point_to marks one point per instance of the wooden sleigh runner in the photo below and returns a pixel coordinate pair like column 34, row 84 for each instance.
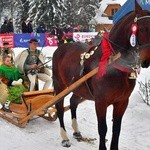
column 31, row 101
column 40, row 103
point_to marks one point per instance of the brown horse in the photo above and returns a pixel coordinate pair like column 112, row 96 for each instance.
column 115, row 86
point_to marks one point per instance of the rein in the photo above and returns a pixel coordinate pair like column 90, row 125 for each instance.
column 140, row 18
column 117, row 45
column 143, row 46
column 137, row 46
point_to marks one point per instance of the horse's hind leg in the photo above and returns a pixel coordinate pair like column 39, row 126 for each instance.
column 74, row 101
column 118, row 111
column 58, row 86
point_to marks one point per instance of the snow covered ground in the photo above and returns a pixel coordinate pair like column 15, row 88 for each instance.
column 41, row 134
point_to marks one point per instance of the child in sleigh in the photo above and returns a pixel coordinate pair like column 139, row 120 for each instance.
column 10, row 77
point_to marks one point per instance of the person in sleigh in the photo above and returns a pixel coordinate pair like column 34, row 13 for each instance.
column 10, row 76
column 6, row 50
column 30, row 63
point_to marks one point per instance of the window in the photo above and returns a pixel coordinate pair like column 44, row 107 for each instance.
column 113, row 11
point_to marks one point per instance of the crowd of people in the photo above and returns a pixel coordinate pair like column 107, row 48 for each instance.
column 28, row 65
column 28, row 27
column 7, row 26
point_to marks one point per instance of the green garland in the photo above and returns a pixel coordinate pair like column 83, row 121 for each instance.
column 10, row 73
column 15, row 93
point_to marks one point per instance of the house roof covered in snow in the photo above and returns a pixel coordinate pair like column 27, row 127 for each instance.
column 99, row 19
column 105, row 3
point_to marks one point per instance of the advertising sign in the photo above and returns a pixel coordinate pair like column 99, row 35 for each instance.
column 83, row 36
column 7, row 38
column 22, row 40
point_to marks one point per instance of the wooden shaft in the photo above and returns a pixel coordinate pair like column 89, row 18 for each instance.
column 57, row 98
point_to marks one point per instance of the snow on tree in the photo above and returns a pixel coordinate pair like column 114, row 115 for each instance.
column 49, row 12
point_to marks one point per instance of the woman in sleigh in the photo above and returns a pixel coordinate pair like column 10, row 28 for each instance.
column 11, row 84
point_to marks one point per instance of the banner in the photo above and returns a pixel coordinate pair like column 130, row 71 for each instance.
column 83, row 36
column 7, row 38
column 22, row 40
column 45, row 39
column 50, row 40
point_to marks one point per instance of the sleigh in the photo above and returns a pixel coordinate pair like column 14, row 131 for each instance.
column 40, row 104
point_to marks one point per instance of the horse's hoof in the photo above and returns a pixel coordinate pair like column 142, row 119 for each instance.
column 77, row 135
column 66, row 143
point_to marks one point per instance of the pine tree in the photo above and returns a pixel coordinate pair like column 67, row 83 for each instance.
column 80, row 12
column 49, row 12
column 18, row 15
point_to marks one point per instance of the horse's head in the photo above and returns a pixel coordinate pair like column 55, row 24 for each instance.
column 132, row 33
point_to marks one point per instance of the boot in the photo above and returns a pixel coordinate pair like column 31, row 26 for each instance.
column 6, row 106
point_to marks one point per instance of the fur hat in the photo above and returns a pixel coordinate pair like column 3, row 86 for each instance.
column 33, row 40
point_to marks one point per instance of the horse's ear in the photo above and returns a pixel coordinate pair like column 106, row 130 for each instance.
column 138, row 8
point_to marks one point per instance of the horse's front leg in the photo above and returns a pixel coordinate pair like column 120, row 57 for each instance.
column 74, row 101
column 118, row 112
column 102, row 126
column 60, row 113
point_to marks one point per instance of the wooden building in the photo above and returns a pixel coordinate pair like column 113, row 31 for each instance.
column 104, row 15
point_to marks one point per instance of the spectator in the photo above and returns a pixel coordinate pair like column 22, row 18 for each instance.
column 10, row 26
column 85, row 29
column 24, row 26
column 87, row 41
column 58, row 32
column 29, row 26
column 76, row 29
column 7, row 51
column 41, row 28
column 30, row 62
column 4, row 28
column 68, row 38
column 68, row 29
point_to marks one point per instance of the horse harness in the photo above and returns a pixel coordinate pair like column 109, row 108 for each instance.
column 132, row 70
column 111, row 60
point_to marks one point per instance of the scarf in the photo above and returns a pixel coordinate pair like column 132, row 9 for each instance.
column 10, row 72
